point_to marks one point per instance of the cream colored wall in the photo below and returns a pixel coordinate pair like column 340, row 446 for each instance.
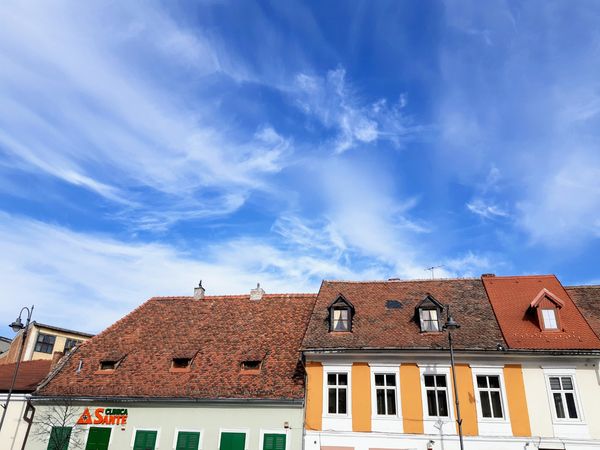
column 537, row 401
column 13, row 429
column 59, row 344
column 588, row 380
column 208, row 419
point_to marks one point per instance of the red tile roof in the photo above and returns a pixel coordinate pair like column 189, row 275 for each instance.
column 31, row 373
column 217, row 332
column 587, row 299
column 511, row 298
column 376, row 326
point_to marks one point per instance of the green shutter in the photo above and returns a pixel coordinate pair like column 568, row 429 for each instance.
column 59, row 438
column 232, row 441
column 274, row 442
column 144, row 440
column 98, row 438
column 188, row 440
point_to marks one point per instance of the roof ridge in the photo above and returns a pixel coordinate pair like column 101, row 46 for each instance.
column 579, row 286
column 522, row 276
column 397, row 280
column 208, row 297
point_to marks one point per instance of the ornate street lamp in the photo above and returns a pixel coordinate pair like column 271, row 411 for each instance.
column 17, row 326
column 451, row 325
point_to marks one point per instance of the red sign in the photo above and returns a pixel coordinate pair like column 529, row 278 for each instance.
column 103, row 416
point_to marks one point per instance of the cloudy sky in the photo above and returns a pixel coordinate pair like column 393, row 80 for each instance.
column 147, row 145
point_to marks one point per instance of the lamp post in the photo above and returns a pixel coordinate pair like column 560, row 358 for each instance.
column 451, row 325
column 17, row 326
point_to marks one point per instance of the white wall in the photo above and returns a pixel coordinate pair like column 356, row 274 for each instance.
column 14, row 428
column 207, row 419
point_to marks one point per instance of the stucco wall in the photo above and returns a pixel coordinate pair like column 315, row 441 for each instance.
column 13, row 429
column 207, row 419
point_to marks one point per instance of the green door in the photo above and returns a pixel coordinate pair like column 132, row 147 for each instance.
column 59, row 438
column 144, row 440
column 98, row 438
column 274, row 442
column 233, row 441
column 188, row 440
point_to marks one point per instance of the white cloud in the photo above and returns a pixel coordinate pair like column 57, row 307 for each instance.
column 83, row 101
column 332, row 101
column 486, row 210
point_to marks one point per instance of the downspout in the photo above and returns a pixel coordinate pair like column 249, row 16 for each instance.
column 28, row 419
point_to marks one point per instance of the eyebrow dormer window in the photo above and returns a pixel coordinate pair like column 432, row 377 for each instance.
column 108, row 364
column 428, row 313
column 181, row 364
column 549, row 319
column 251, row 366
column 340, row 315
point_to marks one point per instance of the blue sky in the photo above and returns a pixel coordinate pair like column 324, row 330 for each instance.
column 146, row 145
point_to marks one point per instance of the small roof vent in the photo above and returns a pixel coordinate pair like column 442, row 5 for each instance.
column 394, row 304
column 257, row 294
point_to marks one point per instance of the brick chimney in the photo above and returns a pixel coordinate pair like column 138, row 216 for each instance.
column 199, row 291
column 257, row 294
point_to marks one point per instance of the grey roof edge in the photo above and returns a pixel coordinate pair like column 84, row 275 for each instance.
column 165, row 400
column 481, row 351
column 64, row 330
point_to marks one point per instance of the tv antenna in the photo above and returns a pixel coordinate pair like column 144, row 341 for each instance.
column 432, row 269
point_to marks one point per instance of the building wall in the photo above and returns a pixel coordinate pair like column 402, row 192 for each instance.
column 209, row 420
column 14, row 428
column 526, row 400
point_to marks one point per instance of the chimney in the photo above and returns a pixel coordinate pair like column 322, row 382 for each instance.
column 257, row 294
column 55, row 359
column 199, row 291
column 488, row 275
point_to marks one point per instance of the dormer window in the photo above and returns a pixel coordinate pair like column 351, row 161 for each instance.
column 547, row 307
column 428, row 313
column 341, row 312
column 108, row 365
column 181, row 364
column 251, row 366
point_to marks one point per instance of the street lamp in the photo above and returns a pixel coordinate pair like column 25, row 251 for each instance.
column 17, row 326
column 451, row 325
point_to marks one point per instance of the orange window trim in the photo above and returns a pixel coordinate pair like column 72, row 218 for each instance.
column 314, row 396
column 361, row 397
column 517, row 401
column 410, row 392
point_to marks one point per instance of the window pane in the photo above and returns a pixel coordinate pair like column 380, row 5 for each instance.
column 433, row 314
column 378, row 380
column 496, row 403
column 390, row 379
column 332, row 401
column 431, row 403
column 429, row 381
column 494, row 381
column 481, row 381
column 567, row 383
column 549, row 317
column 442, row 403
column 570, row 399
column 342, row 401
column 486, row 410
column 331, row 379
column 440, row 380
column 380, row 401
column 391, row 401
column 555, row 383
column 558, row 403
column 342, row 379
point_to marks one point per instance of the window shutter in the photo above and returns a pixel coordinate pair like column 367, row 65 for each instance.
column 145, row 440
column 232, row 441
column 188, row 440
column 274, row 442
column 59, row 438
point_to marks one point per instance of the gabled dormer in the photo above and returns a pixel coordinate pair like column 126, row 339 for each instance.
column 341, row 312
column 428, row 313
column 546, row 307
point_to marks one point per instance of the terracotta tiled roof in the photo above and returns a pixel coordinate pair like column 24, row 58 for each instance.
column 377, row 326
column 31, row 373
column 511, row 298
column 217, row 332
column 587, row 299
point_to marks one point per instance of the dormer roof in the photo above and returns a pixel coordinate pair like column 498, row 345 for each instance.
column 545, row 293
column 429, row 301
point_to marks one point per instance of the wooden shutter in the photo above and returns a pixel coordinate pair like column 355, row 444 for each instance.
column 59, row 438
column 232, row 441
column 98, row 438
column 188, row 440
column 274, row 442
column 145, row 440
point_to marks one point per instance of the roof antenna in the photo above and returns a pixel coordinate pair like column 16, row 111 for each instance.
column 432, row 268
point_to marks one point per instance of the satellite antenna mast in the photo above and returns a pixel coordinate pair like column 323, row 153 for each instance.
column 432, row 269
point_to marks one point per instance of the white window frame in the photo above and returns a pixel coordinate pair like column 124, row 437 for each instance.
column 189, row 430
column 261, row 440
column 447, row 388
column 246, row 431
column 438, row 321
column 385, row 370
column 432, row 424
column 492, row 426
column 331, row 370
column 553, row 311
column 564, row 373
column 136, row 429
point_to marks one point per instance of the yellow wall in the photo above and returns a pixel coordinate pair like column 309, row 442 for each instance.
column 361, row 397
column 314, row 396
column 410, row 391
column 517, row 403
column 466, row 397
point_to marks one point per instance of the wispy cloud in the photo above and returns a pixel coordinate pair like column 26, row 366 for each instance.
column 338, row 107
